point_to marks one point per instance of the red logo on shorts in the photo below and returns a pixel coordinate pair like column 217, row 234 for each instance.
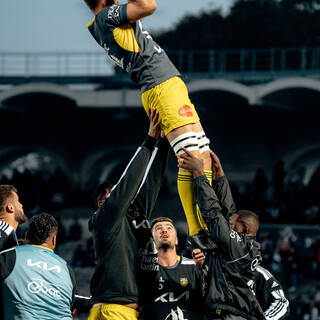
column 185, row 111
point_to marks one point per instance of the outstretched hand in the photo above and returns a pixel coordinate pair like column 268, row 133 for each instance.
column 191, row 163
column 216, row 165
column 154, row 126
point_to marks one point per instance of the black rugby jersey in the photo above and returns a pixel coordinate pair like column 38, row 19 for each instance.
column 177, row 293
column 131, row 47
column 120, row 231
column 232, row 268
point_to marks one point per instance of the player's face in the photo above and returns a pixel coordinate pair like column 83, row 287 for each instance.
column 240, row 226
column 232, row 220
column 103, row 197
column 19, row 215
column 164, row 235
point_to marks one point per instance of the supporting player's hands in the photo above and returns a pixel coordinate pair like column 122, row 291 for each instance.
column 154, row 126
column 191, row 163
column 74, row 313
column 198, row 257
column 216, row 165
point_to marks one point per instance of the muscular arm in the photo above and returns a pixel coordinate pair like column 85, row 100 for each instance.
column 138, row 9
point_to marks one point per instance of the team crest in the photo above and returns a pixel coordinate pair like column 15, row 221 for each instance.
column 184, row 281
column 185, row 111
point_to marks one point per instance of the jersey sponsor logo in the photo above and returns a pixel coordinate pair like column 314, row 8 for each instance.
column 145, row 224
column 43, row 265
column 149, row 263
column 116, row 60
column 255, row 263
column 114, row 11
column 160, row 285
column 40, row 286
column 250, row 284
column 185, row 111
column 176, row 315
column 148, row 36
column 184, row 282
column 235, row 235
column 169, row 297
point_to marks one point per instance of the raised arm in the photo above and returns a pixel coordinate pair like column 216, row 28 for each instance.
column 148, row 192
column 221, row 187
column 113, row 210
column 229, row 241
column 139, row 9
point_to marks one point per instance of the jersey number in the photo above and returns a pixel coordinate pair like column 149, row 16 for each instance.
column 148, row 36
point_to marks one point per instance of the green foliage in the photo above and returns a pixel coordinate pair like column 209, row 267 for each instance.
column 249, row 24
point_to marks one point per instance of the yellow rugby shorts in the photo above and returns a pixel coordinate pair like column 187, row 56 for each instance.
column 172, row 101
column 112, row 311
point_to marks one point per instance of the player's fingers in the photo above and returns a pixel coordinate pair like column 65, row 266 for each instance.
column 154, row 115
column 187, row 152
column 183, row 156
column 183, row 166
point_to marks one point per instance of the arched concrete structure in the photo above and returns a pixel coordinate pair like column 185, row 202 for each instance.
column 254, row 95
column 38, row 88
column 287, row 83
column 228, row 86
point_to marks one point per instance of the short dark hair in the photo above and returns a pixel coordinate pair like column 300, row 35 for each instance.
column 41, row 226
column 250, row 219
column 101, row 190
column 6, row 191
column 161, row 219
column 92, row 4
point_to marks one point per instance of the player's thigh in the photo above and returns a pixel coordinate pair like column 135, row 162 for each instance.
column 172, row 101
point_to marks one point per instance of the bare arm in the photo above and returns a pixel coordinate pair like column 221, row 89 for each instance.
column 138, row 9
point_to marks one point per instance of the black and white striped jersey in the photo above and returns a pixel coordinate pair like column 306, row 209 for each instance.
column 8, row 238
column 270, row 295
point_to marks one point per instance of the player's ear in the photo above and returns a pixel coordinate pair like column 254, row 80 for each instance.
column 54, row 241
column 10, row 207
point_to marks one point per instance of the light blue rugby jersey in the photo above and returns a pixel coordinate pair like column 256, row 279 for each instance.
column 39, row 286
